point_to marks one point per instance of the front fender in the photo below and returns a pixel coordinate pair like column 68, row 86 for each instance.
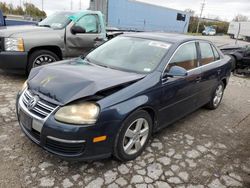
column 121, row 110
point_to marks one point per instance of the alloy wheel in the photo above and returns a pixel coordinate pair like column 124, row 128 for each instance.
column 136, row 136
column 218, row 95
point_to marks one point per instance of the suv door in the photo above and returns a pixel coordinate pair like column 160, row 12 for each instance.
column 179, row 94
column 81, row 43
column 211, row 66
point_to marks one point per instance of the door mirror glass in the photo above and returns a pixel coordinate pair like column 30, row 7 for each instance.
column 176, row 71
column 77, row 29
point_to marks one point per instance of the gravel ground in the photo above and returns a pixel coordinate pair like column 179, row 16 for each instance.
column 223, row 40
column 205, row 149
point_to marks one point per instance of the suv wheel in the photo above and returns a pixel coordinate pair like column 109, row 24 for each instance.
column 41, row 57
column 133, row 136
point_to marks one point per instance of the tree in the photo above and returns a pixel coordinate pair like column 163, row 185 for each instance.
column 29, row 9
column 4, row 7
column 240, row 18
column 190, row 11
column 19, row 11
column 220, row 26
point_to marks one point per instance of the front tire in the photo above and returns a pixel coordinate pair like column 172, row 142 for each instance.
column 216, row 97
column 41, row 57
column 133, row 136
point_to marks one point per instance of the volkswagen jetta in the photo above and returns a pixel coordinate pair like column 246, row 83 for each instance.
column 111, row 101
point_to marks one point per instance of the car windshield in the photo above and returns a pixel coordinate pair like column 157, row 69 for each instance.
column 129, row 54
column 58, row 20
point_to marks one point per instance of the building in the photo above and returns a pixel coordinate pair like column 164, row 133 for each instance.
column 136, row 15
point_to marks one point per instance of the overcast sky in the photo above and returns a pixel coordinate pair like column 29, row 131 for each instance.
column 225, row 9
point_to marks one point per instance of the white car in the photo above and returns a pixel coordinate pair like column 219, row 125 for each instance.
column 210, row 32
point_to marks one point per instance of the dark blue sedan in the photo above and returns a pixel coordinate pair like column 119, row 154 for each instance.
column 111, row 101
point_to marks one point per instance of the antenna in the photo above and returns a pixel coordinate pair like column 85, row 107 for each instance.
column 202, row 8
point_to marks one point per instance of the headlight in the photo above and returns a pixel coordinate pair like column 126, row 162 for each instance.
column 14, row 44
column 25, row 85
column 82, row 113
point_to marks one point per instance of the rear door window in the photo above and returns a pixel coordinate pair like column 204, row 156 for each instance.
column 185, row 57
column 207, row 55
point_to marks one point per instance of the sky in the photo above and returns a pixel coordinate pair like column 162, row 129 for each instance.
column 224, row 9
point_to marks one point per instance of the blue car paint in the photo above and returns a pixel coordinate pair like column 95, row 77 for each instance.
column 12, row 22
column 166, row 100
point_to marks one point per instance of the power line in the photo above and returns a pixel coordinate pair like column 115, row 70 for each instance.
column 202, row 8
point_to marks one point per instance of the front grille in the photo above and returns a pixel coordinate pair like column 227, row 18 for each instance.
column 65, row 148
column 42, row 108
column 1, row 44
column 35, row 134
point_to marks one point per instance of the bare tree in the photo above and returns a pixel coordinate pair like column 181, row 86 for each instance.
column 190, row 11
column 240, row 18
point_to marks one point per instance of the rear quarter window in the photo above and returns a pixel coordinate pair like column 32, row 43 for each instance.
column 216, row 53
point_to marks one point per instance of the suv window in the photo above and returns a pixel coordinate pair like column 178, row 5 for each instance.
column 207, row 55
column 185, row 57
column 216, row 54
column 89, row 23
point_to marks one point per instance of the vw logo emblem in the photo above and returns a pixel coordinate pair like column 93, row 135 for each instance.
column 32, row 102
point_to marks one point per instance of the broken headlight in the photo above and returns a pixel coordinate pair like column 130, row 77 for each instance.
column 81, row 113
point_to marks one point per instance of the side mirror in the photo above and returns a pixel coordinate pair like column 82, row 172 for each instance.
column 176, row 71
column 77, row 29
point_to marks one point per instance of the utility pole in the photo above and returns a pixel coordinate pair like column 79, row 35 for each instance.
column 42, row 4
column 202, row 8
column 71, row 5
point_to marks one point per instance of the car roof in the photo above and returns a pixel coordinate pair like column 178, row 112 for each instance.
column 164, row 37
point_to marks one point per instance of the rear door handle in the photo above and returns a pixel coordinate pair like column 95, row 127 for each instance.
column 198, row 79
column 219, row 71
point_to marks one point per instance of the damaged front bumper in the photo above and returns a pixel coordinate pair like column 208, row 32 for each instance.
column 64, row 140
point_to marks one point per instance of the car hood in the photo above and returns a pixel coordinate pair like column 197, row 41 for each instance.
column 70, row 80
column 12, row 30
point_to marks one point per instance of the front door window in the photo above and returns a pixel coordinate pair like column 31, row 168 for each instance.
column 89, row 23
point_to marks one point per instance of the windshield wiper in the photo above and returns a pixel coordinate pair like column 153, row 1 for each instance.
column 44, row 26
column 97, row 64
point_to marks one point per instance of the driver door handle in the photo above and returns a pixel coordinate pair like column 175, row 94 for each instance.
column 98, row 39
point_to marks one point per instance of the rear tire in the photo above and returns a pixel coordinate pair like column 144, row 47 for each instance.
column 41, row 57
column 233, row 63
column 216, row 97
column 133, row 136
